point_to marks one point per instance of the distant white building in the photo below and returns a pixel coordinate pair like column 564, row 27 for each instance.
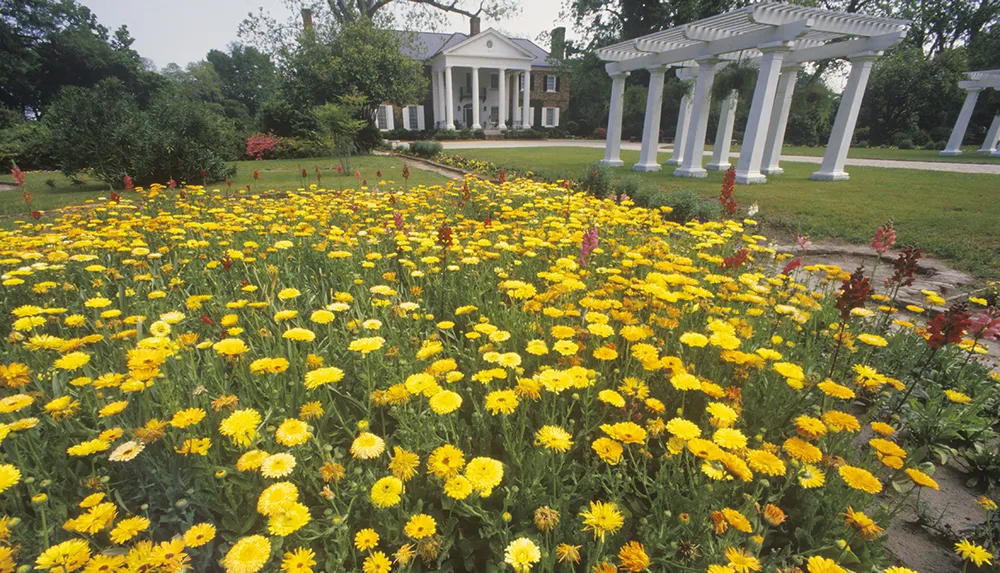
column 490, row 66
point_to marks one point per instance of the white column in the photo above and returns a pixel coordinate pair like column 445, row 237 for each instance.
column 724, row 135
column 436, row 97
column 752, row 150
column 832, row 168
column 680, row 134
column 651, row 127
column 502, row 96
column 613, row 143
column 475, row 99
column 779, row 121
column 449, row 100
column 958, row 133
column 694, row 147
column 990, row 143
column 525, row 111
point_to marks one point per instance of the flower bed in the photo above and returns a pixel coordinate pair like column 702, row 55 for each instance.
column 472, row 378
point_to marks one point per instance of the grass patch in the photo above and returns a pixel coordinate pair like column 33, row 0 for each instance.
column 52, row 190
column 950, row 215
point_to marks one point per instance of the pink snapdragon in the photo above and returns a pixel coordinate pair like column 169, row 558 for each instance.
column 587, row 245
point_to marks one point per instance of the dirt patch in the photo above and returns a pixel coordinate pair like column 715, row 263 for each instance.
column 924, row 539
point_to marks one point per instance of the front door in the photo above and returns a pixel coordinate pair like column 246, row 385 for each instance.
column 467, row 114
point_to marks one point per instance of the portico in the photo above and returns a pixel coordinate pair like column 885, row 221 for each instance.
column 482, row 83
column 973, row 86
column 780, row 38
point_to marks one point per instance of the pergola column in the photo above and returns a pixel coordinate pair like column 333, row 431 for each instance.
column 475, row 99
column 832, row 168
column 683, row 121
column 694, row 148
column 752, row 150
column 613, row 141
column 990, row 143
column 651, row 127
column 954, row 146
column 525, row 111
column 449, row 100
column 779, row 121
column 442, row 120
column 502, row 96
column 724, row 135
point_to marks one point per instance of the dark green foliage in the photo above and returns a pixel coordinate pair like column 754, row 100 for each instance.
column 103, row 129
column 427, row 149
column 27, row 144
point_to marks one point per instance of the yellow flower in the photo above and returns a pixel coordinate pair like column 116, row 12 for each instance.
column 366, row 345
column 276, row 498
column 377, row 562
column 128, row 528
column 299, row 334
column 199, row 535
column 299, row 561
column 922, row 479
column 403, row 464
column 501, row 402
column 445, row 461
column 484, row 474
column 818, row 564
column 386, row 492
column 445, row 402
column 741, row 561
column 65, row 557
column 554, row 438
column 608, row 450
column 366, row 539
column 72, row 361
column 420, row 526
column 521, row 554
column 277, row 465
column 230, row 347
column 633, row 557
column 974, row 553
column 292, row 518
column 248, row 555
column 602, row 518
column 241, row 426
column 292, row 432
column 457, row 487
column 694, row 339
column 872, row 340
column 367, row 446
column 860, row 479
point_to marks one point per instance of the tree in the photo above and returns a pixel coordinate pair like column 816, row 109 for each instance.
column 104, row 129
column 246, row 75
column 908, row 92
column 273, row 35
column 339, row 122
column 604, row 22
column 360, row 60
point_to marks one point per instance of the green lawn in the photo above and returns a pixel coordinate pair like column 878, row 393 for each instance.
column 52, row 190
column 953, row 216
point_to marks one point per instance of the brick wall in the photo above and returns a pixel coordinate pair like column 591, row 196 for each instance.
column 558, row 99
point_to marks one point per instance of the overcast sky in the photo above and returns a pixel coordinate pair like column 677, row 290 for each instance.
column 183, row 31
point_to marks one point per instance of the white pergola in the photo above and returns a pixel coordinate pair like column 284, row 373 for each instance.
column 977, row 82
column 781, row 38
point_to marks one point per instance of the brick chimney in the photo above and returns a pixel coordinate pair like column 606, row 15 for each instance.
column 475, row 26
column 307, row 19
column 558, row 48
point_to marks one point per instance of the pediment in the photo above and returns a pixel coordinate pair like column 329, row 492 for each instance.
column 490, row 44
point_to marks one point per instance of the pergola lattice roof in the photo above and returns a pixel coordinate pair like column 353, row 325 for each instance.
column 813, row 34
column 981, row 79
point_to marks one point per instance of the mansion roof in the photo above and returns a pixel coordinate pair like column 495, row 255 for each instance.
column 425, row 45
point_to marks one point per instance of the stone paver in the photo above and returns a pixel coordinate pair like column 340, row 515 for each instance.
column 991, row 169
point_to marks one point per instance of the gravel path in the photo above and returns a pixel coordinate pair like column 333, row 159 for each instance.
column 891, row 164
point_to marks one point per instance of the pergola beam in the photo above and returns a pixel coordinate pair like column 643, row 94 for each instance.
column 848, row 48
column 832, row 22
column 777, row 34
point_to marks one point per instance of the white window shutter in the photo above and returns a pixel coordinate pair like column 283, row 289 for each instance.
column 420, row 118
column 406, row 118
column 389, row 119
column 557, row 118
column 531, row 117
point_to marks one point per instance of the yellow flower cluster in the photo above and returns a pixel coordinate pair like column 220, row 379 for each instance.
column 436, row 374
